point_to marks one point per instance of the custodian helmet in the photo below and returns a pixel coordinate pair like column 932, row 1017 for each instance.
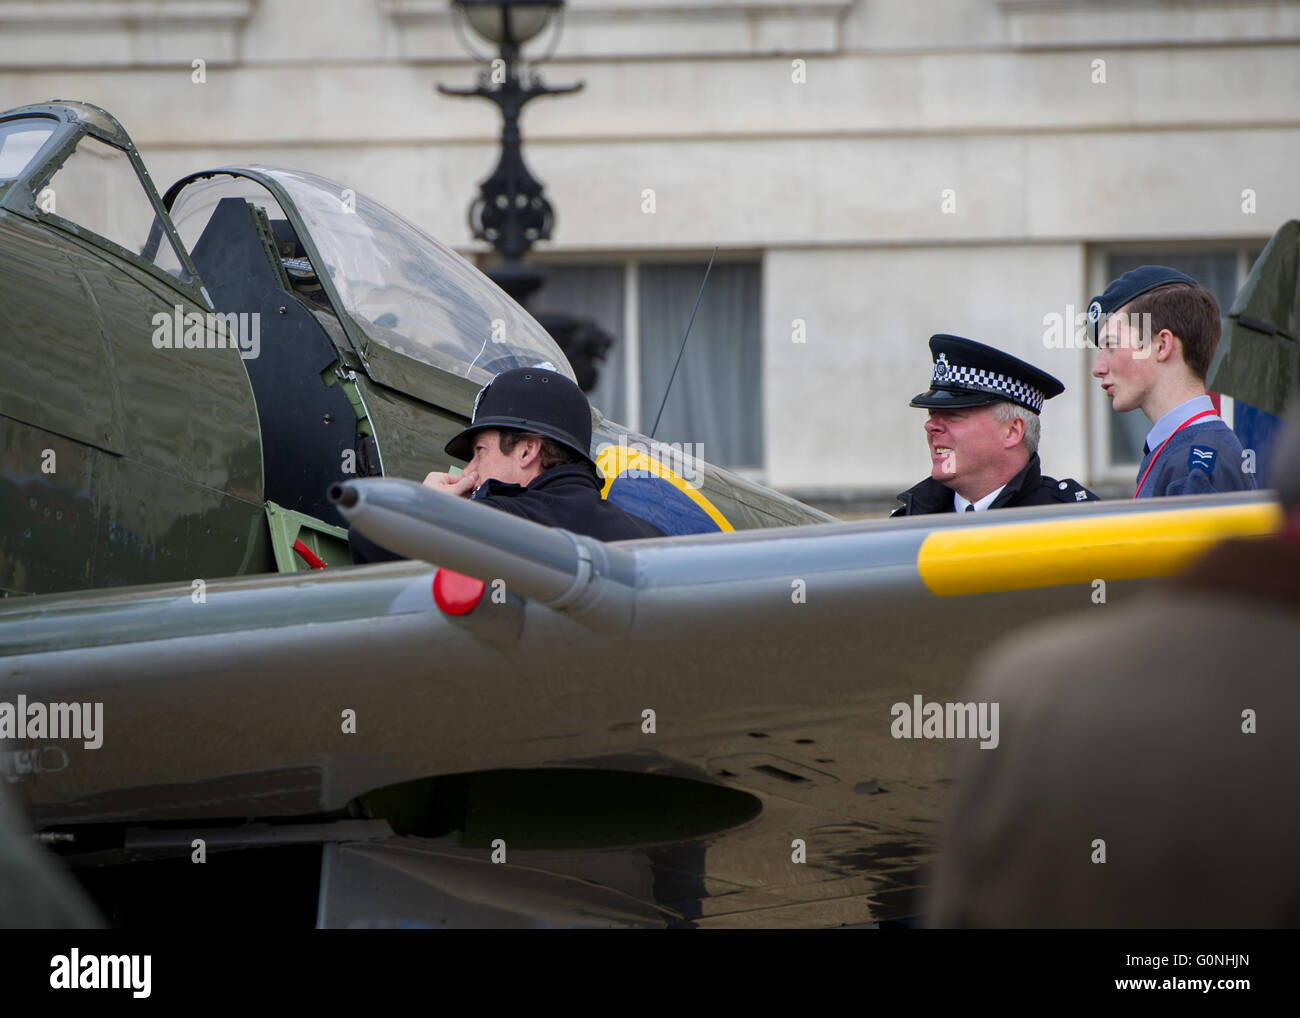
column 536, row 400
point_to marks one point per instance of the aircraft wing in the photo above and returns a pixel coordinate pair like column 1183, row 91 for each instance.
column 686, row 731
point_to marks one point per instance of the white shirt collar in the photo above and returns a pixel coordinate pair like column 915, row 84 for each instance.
column 1170, row 422
column 961, row 503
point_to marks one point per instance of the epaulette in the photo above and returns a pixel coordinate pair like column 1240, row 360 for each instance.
column 1069, row 490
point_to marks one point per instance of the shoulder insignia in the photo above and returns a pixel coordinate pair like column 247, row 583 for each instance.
column 1070, row 490
column 1201, row 457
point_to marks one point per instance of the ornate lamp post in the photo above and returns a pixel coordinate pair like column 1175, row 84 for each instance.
column 511, row 212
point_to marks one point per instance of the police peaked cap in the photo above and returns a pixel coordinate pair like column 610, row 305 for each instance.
column 536, row 400
column 1131, row 285
column 970, row 374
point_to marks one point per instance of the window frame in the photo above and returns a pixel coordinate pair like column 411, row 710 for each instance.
column 640, row 417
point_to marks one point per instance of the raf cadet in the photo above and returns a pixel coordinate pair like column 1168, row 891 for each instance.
column 983, row 433
column 1156, row 331
column 528, row 446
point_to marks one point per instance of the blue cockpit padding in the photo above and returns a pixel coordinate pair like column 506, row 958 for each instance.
column 660, row 502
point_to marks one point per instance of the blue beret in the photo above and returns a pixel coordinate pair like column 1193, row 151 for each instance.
column 970, row 374
column 1128, row 287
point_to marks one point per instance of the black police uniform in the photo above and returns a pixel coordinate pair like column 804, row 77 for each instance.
column 567, row 496
column 1029, row 487
column 542, row 402
column 969, row 374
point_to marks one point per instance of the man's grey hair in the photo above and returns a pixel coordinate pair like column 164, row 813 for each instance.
column 1286, row 461
column 1005, row 412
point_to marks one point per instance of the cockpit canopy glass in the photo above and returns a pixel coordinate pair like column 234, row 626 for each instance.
column 192, row 209
column 409, row 292
column 98, row 189
column 20, row 140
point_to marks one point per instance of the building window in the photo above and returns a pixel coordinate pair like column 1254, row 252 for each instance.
column 1221, row 270
column 715, row 403
column 598, row 292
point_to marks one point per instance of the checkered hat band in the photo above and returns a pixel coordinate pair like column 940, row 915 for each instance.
column 959, row 376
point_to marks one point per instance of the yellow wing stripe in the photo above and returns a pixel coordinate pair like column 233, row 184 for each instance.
column 618, row 459
column 1046, row 553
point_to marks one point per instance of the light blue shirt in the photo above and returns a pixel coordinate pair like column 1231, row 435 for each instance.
column 1170, row 422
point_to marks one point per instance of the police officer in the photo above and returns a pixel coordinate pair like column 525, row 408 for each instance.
column 983, row 433
column 528, row 448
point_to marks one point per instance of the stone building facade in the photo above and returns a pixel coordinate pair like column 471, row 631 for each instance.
column 870, row 171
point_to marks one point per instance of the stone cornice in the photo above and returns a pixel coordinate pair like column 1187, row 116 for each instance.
column 79, row 33
column 651, row 28
column 135, row 14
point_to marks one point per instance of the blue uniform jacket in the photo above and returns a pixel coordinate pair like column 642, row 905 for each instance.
column 1203, row 458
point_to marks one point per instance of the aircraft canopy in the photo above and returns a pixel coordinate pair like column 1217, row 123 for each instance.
column 411, row 293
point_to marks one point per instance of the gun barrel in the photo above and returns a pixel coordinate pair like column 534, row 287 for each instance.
column 562, row 570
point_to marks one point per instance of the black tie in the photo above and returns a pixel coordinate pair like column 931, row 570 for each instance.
column 1146, row 449
column 970, row 508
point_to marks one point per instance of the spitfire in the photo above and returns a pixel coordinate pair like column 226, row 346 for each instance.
column 361, row 344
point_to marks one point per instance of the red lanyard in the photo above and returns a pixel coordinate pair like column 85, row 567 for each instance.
column 1195, row 417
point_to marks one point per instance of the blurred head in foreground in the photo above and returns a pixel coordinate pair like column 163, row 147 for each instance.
column 1147, row 769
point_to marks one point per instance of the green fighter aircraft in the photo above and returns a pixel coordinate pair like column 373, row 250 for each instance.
column 516, row 727
column 187, row 377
